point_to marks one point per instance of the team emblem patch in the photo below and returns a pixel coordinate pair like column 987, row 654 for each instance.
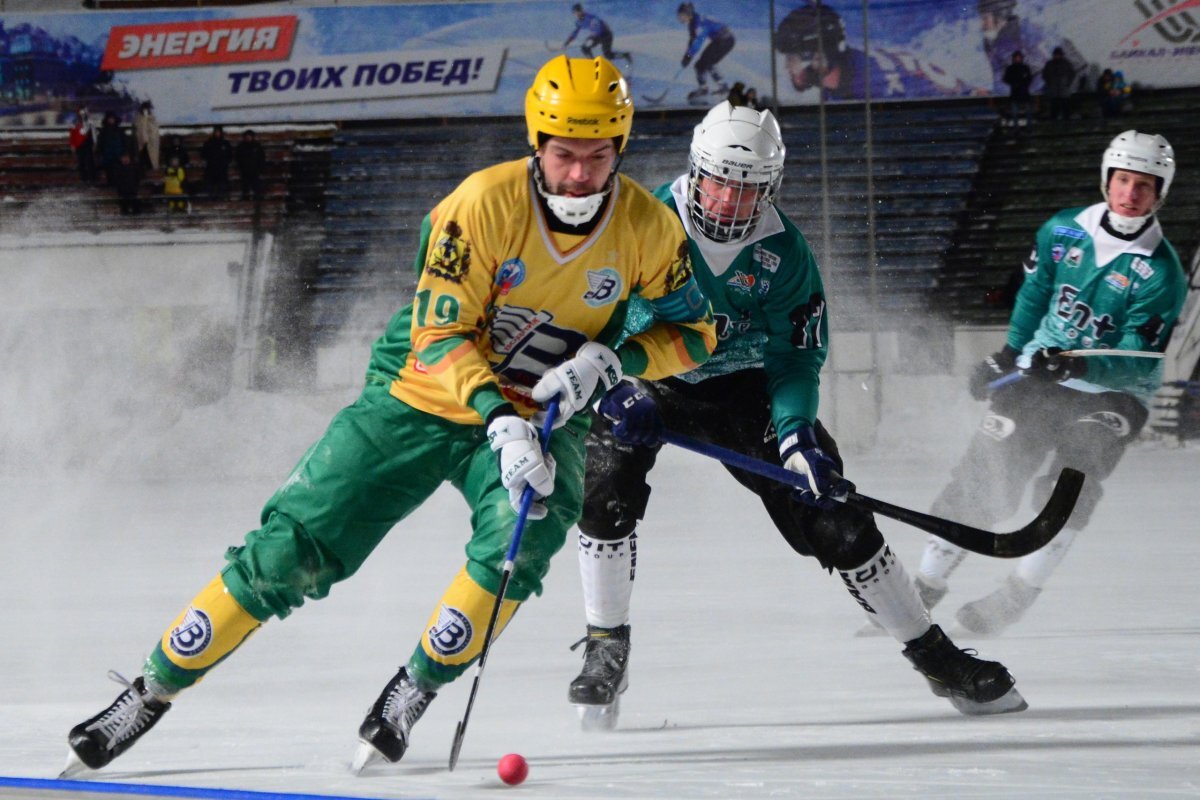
column 604, row 287
column 452, row 632
column 679, row 274
column 1056, row 253
column 193, row 634
column 1074, row 257
column 510, row 275
column 450, row 257
column 997, row 427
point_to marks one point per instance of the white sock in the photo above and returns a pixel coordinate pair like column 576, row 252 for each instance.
column 607, row 570
column 939, row 560
column 882, row 587
column 1035, row 568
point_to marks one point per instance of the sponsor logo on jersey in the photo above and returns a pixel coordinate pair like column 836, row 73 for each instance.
column 1074, row 257
column 451, row 633
column 1117, row 281
column 193, row 634
column 510, row 275
column 997, row 427
column 1056, row 252
column 741, row 281
column 604, row 287
column 450, row 257
column 764, row 286
column 1069, row 233
column 769, row 260
column 1143, row 269
column 1117, row 423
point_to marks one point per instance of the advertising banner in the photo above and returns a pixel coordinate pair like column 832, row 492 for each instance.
column 305, row 64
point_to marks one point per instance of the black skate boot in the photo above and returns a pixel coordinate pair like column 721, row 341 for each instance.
column 596, row 692
column 974, row 686
column 97, row 741
column 384, row 732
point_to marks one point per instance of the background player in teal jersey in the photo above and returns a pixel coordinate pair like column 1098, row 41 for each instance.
column 757, row 394
column 1099, row 277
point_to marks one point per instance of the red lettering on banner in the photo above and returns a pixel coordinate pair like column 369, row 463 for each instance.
column 199, row 43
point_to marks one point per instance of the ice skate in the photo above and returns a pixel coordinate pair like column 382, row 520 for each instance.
column 97, row 741
column 384, row 733
column 974, row 686
column 990, row 615
column 698, row 96
column 596, row 691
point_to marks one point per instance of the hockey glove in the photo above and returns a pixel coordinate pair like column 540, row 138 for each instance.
column 687, row 59
column 1048, row 365
column 633, row 414
column 522, row 462
column 995, row 366
column 801, row 453
column 575, row 380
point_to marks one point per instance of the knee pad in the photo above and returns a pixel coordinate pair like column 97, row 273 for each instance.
column 843, row 538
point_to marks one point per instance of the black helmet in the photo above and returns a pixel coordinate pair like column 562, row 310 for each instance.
column 685, row 8
column 810, row 28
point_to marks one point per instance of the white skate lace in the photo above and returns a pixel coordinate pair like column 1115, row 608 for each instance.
column 405, row 705
column 127, row 716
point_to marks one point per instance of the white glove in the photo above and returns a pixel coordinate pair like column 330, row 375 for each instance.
column 522, row 462
column 574, row 381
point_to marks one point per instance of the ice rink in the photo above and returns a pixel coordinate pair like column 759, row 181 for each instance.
column 746, row 679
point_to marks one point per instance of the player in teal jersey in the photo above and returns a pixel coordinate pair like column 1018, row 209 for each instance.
column 757, row 394
column 1099, row 277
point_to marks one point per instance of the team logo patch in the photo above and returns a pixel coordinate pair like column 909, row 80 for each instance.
column 1069, row 233
column 604, row 287
column 452, row 632
column 510, row 275
column 1056, row 253
column 997, row 427
column 679, row 274
column 193, row 634
column 450, row 257
column 769, row 260
column 741, row 281
column 1144, row 270
column 1117, row 281
column 1074, row 257
column 764, row 286
column 1117, row 423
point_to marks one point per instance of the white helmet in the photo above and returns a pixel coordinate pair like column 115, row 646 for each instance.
column 1140, row 152
column 742, row 149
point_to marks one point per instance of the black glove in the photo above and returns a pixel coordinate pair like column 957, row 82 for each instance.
column 634, row 415
column 997, row 365
column 1048, row 365
column 687, row 59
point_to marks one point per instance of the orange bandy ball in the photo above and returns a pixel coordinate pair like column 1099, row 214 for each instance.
column 513, row 769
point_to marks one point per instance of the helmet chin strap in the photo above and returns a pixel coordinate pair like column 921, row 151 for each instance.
column 1127, row 225
column 572, row 210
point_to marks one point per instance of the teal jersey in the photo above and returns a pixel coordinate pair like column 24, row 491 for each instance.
column 769, row 305
column 1086, row 288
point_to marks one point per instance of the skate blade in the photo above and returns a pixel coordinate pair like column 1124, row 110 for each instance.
column 1008, row 703
column 594, row 719
column 364, row 756
column 74, row 767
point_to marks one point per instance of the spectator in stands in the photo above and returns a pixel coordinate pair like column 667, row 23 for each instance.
column 82, row 139
column 1005, row 31
column 175, row 149
column 1058, row 79
column 1113, row 92
column 145, row 130
column 737, row 94
column 126, row 180
column 110, row 143
column 217, row 154
column 1019, row 77
column 251, row 158
column 174, row 181
column 752, row 99
column 1100, row 277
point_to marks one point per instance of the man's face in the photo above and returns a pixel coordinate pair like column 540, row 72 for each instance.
column 990, row 24
column 577, row 167
column 725, row 201
column 810, row 69
column 1131, row 194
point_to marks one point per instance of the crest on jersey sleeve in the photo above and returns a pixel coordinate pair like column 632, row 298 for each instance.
column 680, row 271
column 451, row 255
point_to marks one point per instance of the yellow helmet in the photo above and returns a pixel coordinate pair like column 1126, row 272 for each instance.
column 581, row 98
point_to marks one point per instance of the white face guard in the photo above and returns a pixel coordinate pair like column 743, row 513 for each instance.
column 725, row 210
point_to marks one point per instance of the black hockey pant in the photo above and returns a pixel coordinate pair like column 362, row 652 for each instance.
column 732, row 411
